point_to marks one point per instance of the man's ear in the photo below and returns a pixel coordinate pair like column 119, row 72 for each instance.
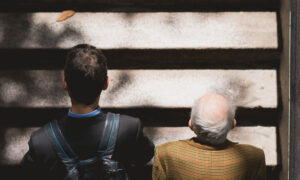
column 64, row 83
column 190, row 124
column 106, row 83
column 233, row 123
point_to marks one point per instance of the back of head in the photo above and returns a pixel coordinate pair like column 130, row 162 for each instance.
column 212, row 117
column 85, row 73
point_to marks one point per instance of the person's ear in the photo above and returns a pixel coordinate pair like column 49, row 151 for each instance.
column 190, row 124
column 64, row 83
column 233, row 123
column 106, row 83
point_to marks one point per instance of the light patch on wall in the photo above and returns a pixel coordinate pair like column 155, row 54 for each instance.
column 14, row 148
column 11, row 91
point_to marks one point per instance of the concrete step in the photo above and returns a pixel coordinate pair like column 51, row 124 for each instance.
column 155, row 30
column 16, row 139
column 143, row 88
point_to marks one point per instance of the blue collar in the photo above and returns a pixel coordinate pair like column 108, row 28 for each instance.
column 91, row 114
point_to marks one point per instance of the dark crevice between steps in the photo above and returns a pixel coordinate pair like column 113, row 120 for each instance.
column 14, row 172
column 163, row 117
column 138, row 6
column 148, row 58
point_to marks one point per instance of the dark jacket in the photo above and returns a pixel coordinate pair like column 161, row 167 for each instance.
column 83, row 135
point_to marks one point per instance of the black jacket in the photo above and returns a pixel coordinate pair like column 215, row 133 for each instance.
column 83, row 135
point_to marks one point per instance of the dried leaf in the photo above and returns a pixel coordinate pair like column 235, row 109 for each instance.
column 65, row 15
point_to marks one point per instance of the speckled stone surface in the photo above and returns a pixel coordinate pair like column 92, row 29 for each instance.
column 143, row 88
column 151, row 30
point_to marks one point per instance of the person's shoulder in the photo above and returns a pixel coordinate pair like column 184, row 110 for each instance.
column 38, row 137
column 170, row 145
column 248, row 147
column 162, row 151
column 39, row 142
column 129, row 126
column 129, row 122
column 130, row 119
column 250, row 150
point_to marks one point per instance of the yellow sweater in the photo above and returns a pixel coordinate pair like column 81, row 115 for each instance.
column 190, row 160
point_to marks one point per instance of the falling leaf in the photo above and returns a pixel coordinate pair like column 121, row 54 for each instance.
column 65, row 15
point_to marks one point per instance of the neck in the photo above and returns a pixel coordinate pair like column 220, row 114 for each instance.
column 204, row 142
column 82, row 108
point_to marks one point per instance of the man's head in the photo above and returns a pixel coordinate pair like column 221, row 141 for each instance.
column 85, row 74
column 212, row 117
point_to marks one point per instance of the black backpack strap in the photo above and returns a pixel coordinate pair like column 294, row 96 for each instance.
column 63, row 150
column 58, row 142
column 109, row 136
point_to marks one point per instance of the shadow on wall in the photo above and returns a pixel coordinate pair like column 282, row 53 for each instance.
column 31, row 88
column 122, row 81
column 234, row 89
column 17, row 84
column 41, row 35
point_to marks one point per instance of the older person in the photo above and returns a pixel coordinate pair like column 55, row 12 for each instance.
column 209, row 155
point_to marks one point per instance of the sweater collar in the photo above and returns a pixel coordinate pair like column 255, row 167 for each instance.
column 195, row 142
column 87, row 115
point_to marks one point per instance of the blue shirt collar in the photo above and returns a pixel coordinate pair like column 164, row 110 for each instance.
column 91, row 114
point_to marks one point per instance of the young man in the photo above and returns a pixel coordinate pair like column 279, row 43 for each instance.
column 85, row 76
column 209, row 155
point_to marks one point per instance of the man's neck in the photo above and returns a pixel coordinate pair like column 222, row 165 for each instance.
column 83, row 109
column 206, row 143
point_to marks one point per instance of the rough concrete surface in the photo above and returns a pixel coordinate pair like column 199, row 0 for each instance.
column 15, row 140
column 155, row 30
column 144, row 88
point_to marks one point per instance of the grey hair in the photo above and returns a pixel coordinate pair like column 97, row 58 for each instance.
column 207, row 130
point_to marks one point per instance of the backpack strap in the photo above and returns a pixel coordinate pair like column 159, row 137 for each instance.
column 58, row 142
column 109, row 136
column 106, row 145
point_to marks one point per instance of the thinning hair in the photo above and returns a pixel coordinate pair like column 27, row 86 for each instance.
column 210, row 130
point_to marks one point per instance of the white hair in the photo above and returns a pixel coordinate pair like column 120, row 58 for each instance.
column 207, row 129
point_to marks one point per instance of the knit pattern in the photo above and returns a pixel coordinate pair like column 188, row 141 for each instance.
column 190, row 160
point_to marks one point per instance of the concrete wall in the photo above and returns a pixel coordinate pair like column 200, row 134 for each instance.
column 183, row 30
column 143, row 88
column 155, row 54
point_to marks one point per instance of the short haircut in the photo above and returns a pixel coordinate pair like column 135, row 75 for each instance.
column 206, row 129
column 85, row 73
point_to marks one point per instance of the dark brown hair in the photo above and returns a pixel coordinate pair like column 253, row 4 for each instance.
column 85, row 73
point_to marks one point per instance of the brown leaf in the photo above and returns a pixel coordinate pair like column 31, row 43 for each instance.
column 65, row 15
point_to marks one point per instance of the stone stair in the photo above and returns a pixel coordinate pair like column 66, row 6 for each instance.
column 162, row 56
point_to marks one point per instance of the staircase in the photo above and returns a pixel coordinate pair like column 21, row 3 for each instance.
column 162, row 56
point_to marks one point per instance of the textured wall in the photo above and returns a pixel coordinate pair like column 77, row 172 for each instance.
column 237, row 30
column 144, row 88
